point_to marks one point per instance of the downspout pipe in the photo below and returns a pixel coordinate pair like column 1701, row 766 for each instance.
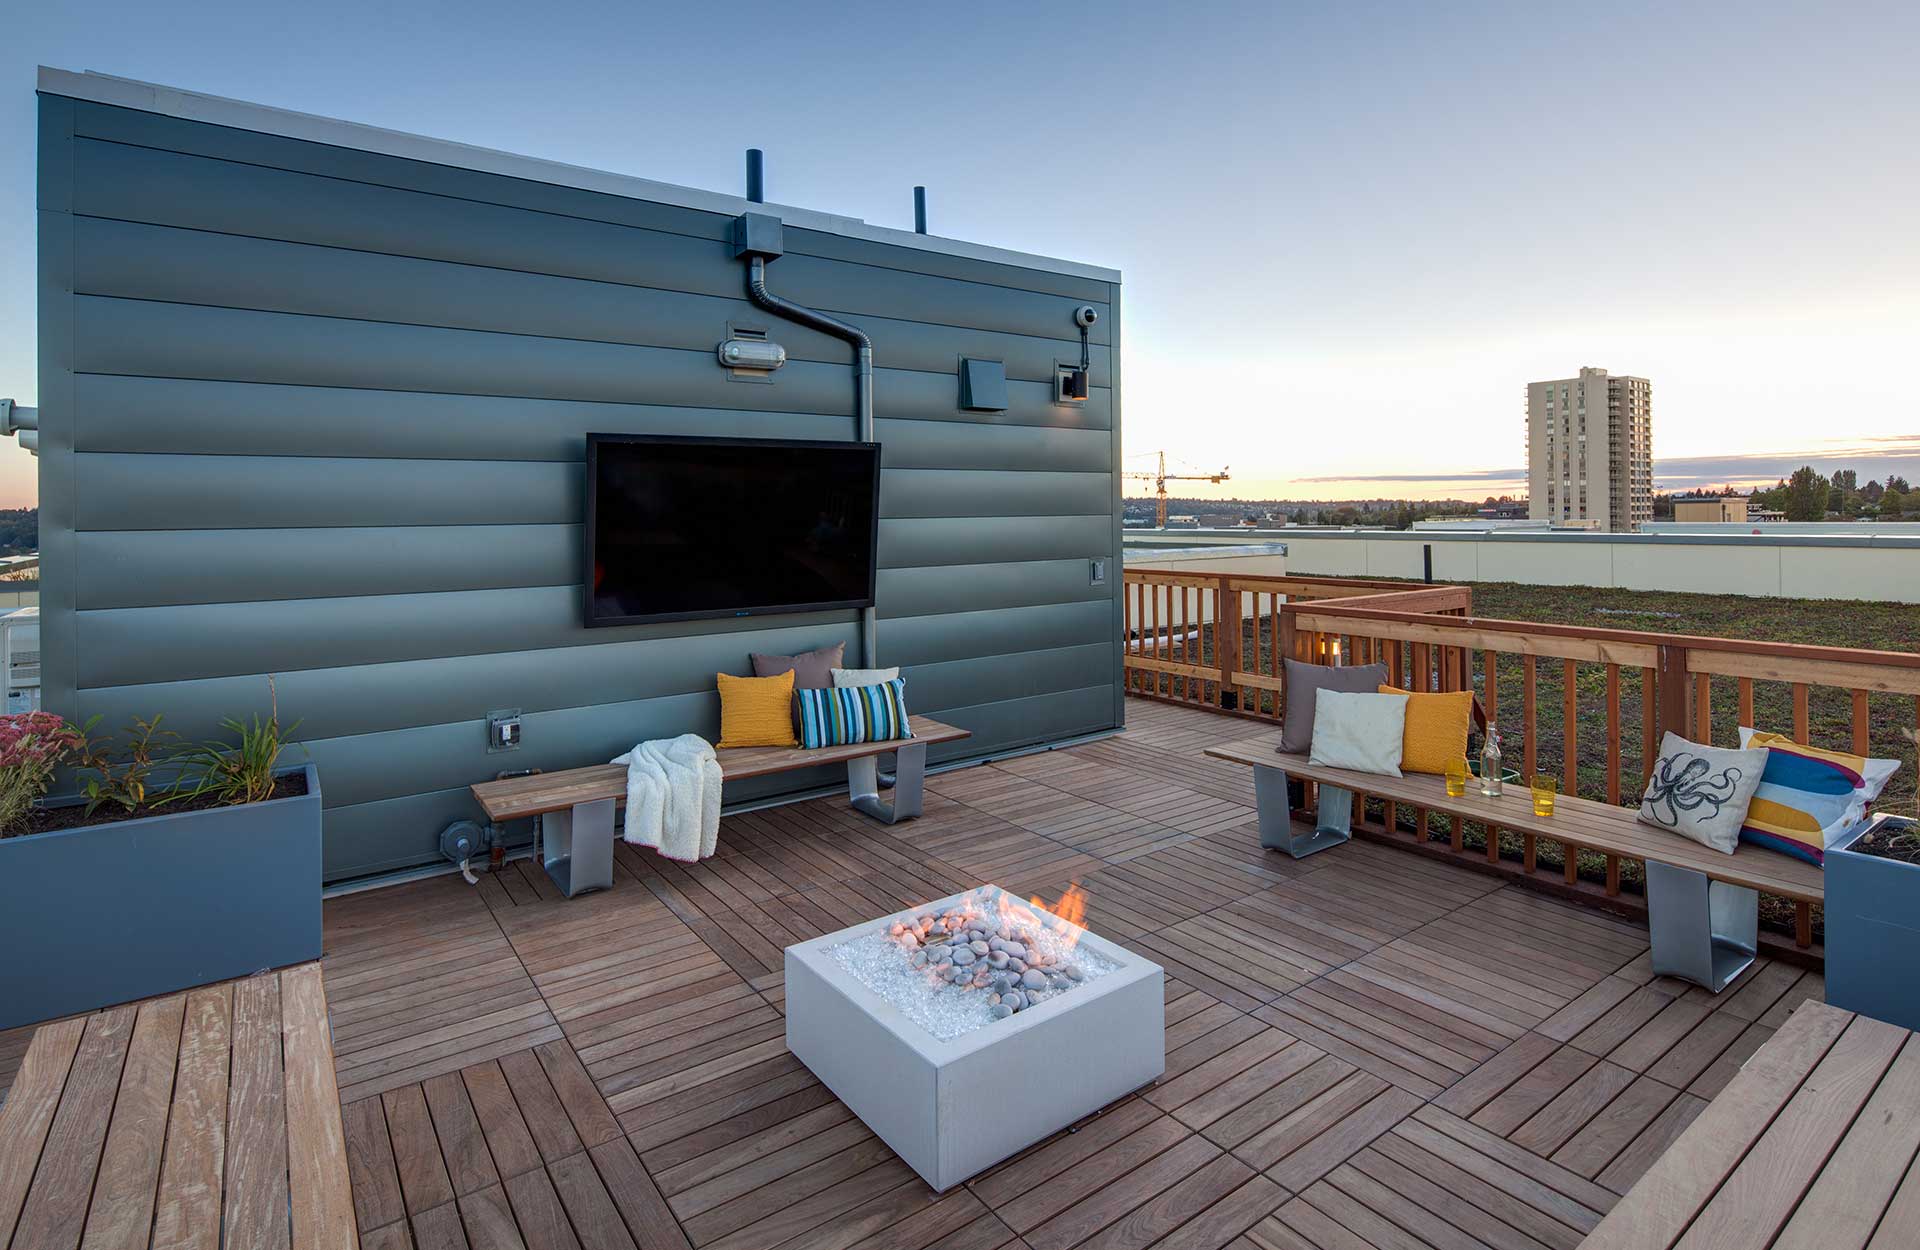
column 758, row 238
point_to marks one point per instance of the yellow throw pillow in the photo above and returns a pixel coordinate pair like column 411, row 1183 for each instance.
column 1436, row 729
column 756, row 711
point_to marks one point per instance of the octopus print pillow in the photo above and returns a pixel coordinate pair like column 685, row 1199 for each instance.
column 1702, row 792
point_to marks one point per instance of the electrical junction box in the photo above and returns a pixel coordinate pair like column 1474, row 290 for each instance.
column 503, row 731
column 983, row 385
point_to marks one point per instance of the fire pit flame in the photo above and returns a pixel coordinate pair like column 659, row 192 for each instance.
column 988, row 945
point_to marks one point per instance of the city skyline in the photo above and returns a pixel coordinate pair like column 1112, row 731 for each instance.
column 1349, row 237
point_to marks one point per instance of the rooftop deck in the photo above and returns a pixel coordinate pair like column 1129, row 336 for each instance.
column 1363, row 1041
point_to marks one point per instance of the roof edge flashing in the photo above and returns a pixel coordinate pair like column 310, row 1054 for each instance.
column 215, row 110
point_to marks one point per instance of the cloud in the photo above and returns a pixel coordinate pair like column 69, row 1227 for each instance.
column 1873, row 458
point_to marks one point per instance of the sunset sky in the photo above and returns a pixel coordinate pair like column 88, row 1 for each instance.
column 1350, row 233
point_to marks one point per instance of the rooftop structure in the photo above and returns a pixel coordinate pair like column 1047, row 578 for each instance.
column 1721, row 509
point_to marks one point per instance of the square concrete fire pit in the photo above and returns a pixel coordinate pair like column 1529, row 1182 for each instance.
column 950, row 1087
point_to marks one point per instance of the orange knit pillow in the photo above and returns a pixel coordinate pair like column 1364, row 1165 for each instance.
column 756, row 711
column 1436, row 729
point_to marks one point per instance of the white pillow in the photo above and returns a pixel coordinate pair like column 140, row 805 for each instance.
column 863, row 676
column 1362, row 732
column 1702, row 792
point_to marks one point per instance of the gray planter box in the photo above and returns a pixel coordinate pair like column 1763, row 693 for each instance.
column 110, row 913
column 1873, row 932
column 953, row 1108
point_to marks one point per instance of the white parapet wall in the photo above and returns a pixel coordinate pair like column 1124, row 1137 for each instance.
column 1800, row 565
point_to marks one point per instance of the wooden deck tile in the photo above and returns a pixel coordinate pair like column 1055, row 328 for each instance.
column 523, row 1070
column 196, row 1119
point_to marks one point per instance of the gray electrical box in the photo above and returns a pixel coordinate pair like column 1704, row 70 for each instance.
column 983, row 385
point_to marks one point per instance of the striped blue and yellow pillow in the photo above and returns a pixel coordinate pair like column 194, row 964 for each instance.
column 850, row 714
column 1809, row 797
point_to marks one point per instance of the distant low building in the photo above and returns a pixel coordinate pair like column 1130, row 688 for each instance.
column 1712, row 508
column 1505, row 510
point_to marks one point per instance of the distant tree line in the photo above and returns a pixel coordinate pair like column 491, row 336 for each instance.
column 19, row 531
column 1810, row 496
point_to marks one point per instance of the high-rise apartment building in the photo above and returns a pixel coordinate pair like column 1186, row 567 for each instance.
column 1590, row 450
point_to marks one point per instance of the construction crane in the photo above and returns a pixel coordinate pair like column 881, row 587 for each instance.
column 1162, row 477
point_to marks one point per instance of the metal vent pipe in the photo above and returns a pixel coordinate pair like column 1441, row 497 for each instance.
column 756, row 176
column 919, row 210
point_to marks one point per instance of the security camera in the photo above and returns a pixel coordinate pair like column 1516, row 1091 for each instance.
column 1085, row 315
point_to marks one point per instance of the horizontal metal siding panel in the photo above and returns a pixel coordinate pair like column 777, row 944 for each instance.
column 179, row 416
column 983, row 493
column 934, row 689
column 1015, row 723
column 144, row 185
column 978, row 587
column 188, row 341
column 128, row 646
column 150, row 568
column 945, row 636
column 270, row 153
column 376, row 698
column 132, row 261
column 364, row 768
column 926, row 542
column 251, row 492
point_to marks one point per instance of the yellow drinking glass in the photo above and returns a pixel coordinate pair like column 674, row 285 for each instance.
column 1456, row 777
column 1544, row 786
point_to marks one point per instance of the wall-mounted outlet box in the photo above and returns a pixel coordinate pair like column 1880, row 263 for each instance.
column 503, row 730
column 1097, row 571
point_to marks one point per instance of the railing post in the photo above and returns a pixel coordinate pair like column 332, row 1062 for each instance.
column 1226, row 640
column 1672, row 681
column 1283, row 637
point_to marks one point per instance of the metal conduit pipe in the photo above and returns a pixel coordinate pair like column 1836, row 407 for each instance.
column 862, row 390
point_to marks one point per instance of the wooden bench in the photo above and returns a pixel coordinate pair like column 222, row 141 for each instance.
column 577, row 806
column 1808, row 1145
column 1703, row 907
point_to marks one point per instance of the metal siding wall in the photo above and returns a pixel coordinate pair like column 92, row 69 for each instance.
column 318, row 412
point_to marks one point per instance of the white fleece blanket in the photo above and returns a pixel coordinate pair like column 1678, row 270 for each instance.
column 673, row 797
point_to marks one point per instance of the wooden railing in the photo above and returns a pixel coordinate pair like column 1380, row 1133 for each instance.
column 1218, row 639
column 1588, row 706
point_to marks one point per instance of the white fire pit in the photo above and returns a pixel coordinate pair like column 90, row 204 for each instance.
column 957, row 1069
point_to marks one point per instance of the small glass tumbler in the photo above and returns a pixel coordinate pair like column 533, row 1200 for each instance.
column 1456, row 777
column 1544, row 787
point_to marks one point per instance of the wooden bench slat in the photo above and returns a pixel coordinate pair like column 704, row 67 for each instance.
column 519, row 797
column 1584, row 823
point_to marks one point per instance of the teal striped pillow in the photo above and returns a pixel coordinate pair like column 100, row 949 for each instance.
column 850, row 714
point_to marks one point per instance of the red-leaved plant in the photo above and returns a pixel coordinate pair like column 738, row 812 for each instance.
column 32, row 746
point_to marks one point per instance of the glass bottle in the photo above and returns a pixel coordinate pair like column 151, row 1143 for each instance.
column 1490, row 764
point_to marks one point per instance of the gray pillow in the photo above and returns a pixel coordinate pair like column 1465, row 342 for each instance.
column 1305, row 681
column 812, row 670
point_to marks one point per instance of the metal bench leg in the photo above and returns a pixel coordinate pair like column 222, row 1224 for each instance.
column 909, row 790
column 576, row 847
column 1702, row 930
column 1333, row 825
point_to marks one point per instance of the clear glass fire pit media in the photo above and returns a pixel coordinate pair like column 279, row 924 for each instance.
column 981, row 957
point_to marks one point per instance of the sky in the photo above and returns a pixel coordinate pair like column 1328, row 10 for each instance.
column 1350, row 233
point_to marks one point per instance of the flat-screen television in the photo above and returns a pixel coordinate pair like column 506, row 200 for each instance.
column 684, row 528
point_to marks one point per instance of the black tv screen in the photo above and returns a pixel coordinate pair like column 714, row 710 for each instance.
column 685, row 528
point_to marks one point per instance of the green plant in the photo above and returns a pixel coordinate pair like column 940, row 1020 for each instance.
column 32, row 746
column 237, row 772
column 121, row 776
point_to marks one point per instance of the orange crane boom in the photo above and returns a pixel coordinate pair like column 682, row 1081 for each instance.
column 1162, row 477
